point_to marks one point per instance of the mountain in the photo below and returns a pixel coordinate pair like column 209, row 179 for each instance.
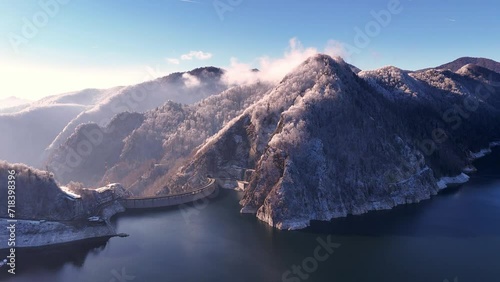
column 33, row 129
column 354, row 69
column 75, row 162
column 326, row 143
column 186, row 88
column 482, row 62
column 38, row 128
column 49, row 214
column 34, row 126
column 429, row 100
column 138, row 150
column 11, row 102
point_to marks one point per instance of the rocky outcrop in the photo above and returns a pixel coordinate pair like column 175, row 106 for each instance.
column 47, row 214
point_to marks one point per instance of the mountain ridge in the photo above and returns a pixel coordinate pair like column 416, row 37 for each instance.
column 456, row 64
column 281, row 194
column 326, row 141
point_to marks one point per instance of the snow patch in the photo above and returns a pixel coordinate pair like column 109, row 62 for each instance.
column 445, row 182
column 70, row 193
column 494, row 144
column 469, row 169
column 480, row 154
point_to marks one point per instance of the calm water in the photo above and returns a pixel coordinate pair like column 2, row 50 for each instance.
column 454, row 235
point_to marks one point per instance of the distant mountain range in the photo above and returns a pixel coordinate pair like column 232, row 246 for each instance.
column 482, row 62
column 326, row 141
column 40, row 127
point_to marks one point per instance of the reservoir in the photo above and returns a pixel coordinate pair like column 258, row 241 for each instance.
column 455, row 236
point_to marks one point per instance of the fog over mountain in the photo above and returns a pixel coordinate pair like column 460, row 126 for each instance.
column 149, row 144
column 40, row 127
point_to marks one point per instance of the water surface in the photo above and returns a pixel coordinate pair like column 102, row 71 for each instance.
column 454, row 235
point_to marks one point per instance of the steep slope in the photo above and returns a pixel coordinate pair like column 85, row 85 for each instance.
column 187, row 88
column 40, row 127
column 48, row 214
column 39, row 196
column 27, row 133
column 91, row 149
column 200, row 122
column 482, row 62
column 430, row 102
column 140, row 156
column 324, row 143
column 32, row 127
column 470, row 104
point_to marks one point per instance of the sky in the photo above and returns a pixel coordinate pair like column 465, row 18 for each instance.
column 49, row 47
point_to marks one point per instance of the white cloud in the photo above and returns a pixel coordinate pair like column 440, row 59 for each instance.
column 274, row 69
column 173, row 61
column 190, row 80
column 200, row 55
column 336, row 48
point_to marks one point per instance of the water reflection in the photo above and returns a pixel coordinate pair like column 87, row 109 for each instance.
column 53, row 258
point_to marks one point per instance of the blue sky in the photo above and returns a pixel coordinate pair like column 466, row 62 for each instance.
column 102, row 43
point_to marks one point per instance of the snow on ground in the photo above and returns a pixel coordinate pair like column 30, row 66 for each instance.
column 70, row 193
column 494, row 144
column 480, row 154
column 444, row 182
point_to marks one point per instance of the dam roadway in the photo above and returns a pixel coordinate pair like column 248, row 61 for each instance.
column 170, row 200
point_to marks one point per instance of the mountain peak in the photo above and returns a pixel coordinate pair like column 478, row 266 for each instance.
column 326, row 60
column 317, row 68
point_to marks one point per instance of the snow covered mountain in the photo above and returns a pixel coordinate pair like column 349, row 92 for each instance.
column 186, row 88
column 326, row 143
column 435, row 102
column 64, row 211
column 150, row 144
column 38, row 128
column 482, row 62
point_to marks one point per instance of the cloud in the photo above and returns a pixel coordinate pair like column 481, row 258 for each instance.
column 190, row 80
column 336, row 48
column 274, row 69
column 173, row 61
column 200, row 55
